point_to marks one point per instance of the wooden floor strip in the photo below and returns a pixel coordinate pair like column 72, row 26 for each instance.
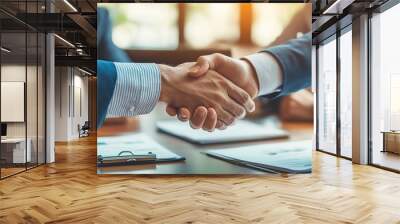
column 70, row 191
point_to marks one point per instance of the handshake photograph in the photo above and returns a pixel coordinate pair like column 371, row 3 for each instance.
column 189, row 112
column 207, row 88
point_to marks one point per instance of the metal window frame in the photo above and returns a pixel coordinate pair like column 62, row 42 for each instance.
column 328, row 39
column 334, row 37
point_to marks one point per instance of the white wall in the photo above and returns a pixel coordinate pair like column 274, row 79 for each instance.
column 61, row 104
column 80, row 111
column 70, row 84
column 16, row 73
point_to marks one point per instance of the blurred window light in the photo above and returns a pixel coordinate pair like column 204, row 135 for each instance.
column 395, row 92
column 386, row 68
column 345, row 93
column 269, row 20
column 207, row 24
column 144, row 25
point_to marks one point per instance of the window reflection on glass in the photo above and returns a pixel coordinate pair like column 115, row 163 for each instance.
column 200, row 33
column 144, row 25
column 269, row 20
column 346, row 94
column 327, row 97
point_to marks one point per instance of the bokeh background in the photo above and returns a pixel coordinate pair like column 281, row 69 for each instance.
column 207, row 25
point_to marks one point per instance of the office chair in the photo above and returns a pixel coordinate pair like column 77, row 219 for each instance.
column 84, row 130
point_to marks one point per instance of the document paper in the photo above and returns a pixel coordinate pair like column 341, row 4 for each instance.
column 288, row 157
column 138, row 144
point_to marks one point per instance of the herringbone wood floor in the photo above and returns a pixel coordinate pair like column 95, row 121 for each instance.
column 69, row 191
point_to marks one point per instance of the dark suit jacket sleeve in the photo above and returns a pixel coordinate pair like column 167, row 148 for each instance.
column 106, row 79
column 294, row 58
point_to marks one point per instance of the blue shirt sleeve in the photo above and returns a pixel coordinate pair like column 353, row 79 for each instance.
column 137, row 89
column 126, row 89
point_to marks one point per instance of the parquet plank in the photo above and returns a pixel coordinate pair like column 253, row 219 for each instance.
column 70, row 191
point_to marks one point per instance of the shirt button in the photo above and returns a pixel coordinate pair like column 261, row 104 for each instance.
column 131, row 109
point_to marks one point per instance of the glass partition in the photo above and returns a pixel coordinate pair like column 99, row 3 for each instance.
column 385, row 89
column 346, row 94
column 22, row 88
column 327, row 97
column 15, row 151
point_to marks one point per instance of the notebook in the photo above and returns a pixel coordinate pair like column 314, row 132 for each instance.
column 132, row 150
column 241, row 131
column 287, row 157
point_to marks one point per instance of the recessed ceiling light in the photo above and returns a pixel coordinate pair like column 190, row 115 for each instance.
column 65, row 41
column 84, row 71
column 5, row 50
column 70, row 5
column 337, row 7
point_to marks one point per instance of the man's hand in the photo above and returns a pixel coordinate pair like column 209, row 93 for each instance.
column 228, row 101
column 240, row 72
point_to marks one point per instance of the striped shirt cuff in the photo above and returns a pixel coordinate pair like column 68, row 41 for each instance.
column 268, row 72
column 137, row 89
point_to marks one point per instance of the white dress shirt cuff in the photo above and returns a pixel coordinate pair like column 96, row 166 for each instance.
column 137, row 89
column 268, row 71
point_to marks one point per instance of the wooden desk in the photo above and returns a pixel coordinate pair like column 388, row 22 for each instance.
column 196, row 162
column 15, row 147
column 391, row 141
